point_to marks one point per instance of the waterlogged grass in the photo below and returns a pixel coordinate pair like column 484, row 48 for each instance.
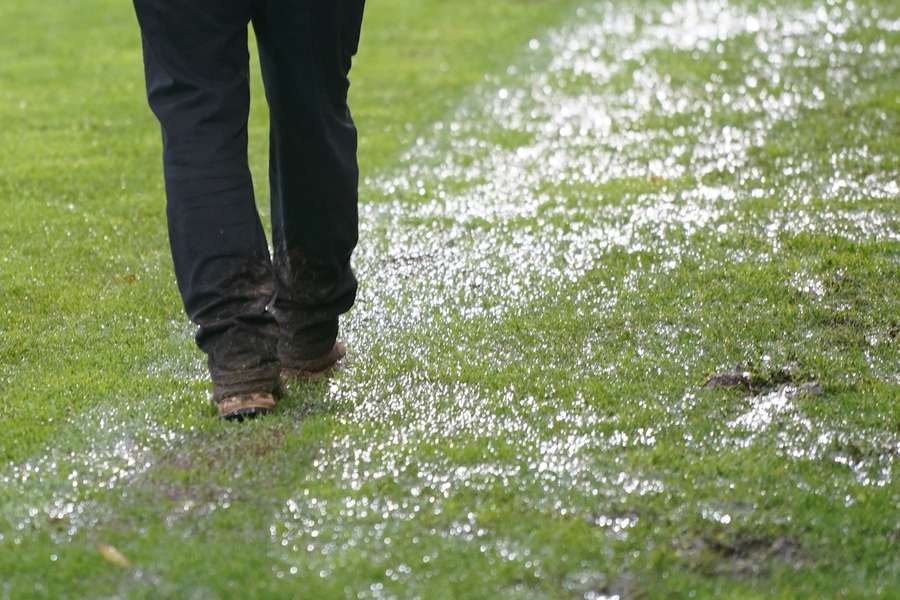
column 86, row 261
column 628, row 325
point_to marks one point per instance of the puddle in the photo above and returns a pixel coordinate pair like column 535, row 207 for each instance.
column 777, row 419
column 55, row 492
column 767, row 407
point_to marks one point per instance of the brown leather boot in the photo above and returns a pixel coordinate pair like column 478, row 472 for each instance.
column 239, row 406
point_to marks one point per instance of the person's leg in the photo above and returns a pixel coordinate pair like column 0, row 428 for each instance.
column 306, row 48
column 196, row 61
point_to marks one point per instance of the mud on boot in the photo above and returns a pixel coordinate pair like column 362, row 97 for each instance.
column 240, row 406
column 314, row 368
column 247, row 393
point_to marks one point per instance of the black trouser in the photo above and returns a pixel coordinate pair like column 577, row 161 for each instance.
column 254, row 312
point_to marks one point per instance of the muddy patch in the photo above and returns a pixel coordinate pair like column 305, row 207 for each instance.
column 755, row 381
column 739, row 554
column 195, row 480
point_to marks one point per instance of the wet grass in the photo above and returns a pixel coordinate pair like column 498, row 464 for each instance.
column 557, row 257
column 83, row 180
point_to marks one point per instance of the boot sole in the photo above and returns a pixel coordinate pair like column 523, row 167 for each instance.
column 238, row 409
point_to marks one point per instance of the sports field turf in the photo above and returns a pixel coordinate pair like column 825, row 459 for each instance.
column 629, row 323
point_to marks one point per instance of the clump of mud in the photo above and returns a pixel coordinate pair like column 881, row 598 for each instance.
column 759, row 381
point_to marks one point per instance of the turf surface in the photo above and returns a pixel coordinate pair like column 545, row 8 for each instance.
column 628, row 327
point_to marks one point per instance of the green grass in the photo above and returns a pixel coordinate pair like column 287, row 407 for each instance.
column 523, row 413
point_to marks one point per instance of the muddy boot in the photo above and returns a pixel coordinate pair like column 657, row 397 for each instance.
column 238, row 407
column 238, row 395
column 314, row 368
